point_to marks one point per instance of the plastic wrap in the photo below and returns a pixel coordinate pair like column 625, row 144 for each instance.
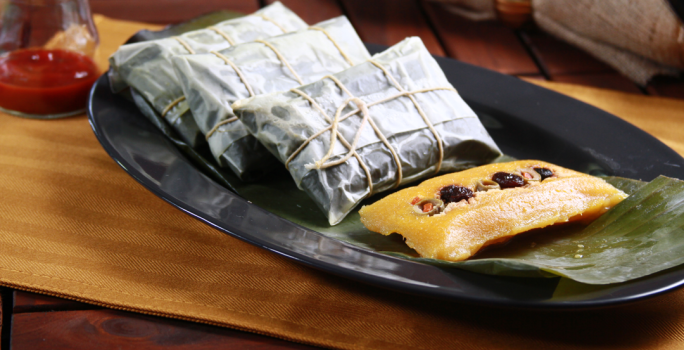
column 147, row 68
column 212, row 82
column 416, row 112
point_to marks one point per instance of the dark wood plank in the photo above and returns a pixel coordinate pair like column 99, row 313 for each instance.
column 531, row 76
column 666, row 87
column 313, row 11
column 612, row 81
column 167, row 11
column 6, row 298
column 32, row 302
column 2, row 306
column 388, row 22
column 6, row 295
column 557, row 57
column 109, row 329
column 486, row 44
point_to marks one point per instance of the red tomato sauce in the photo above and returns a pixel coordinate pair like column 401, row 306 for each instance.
column 39, row 81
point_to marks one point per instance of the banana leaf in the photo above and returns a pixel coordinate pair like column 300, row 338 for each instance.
column 640, row 236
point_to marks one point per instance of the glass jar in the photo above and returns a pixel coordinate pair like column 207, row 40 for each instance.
column 46, row 57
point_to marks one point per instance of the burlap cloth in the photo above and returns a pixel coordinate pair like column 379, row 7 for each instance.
column 639, row 38
column 74, row 224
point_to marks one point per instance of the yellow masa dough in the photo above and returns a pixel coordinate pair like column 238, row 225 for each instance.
column 492, row 216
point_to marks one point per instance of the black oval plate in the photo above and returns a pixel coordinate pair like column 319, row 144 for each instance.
column 525, row 120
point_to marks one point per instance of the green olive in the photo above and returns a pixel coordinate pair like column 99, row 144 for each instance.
column 485, row 185
column 437, row 206
column 529, row 174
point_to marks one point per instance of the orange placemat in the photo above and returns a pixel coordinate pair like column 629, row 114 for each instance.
column 75, row 225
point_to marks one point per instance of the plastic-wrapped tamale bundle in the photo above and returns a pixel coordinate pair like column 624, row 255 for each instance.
column 370, row 128
column 146, row 66
column 212, row 82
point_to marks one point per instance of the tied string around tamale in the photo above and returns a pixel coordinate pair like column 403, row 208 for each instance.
column 182, row 98
column 227, row 38
column 282, row 59
column 184, row 44
column 230, row 40
column 171, row 105
column 336, row 133
column 269, row 19
column 332, row 40
column 366, row 118
column 244, row 80
column 363, row 108
column 223, row 34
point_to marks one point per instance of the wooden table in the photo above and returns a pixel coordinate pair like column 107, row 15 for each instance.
column 31, row 321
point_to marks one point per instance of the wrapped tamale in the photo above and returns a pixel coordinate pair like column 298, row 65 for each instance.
column 212, row 82
column 370, row 128
column 146, row 66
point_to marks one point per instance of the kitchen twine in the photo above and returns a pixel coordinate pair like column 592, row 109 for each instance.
column 282, row 59
column 362, row 107
column 171, row 105
column 223, row 34
column 230, row 41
